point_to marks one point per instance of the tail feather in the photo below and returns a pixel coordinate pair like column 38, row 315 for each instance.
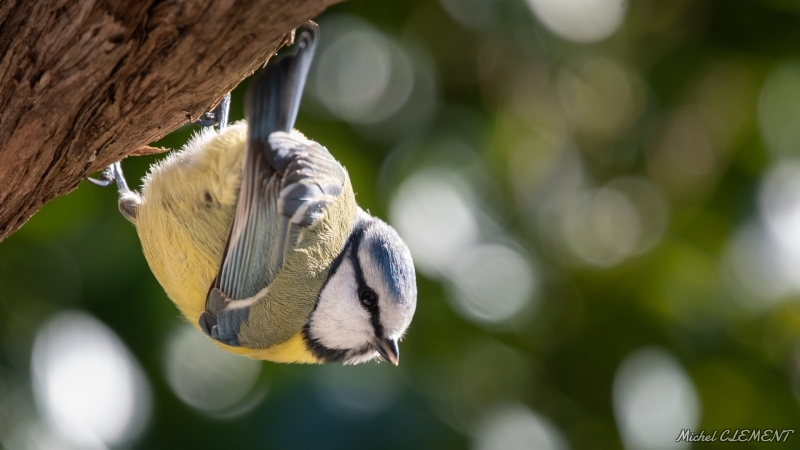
column 275, row 97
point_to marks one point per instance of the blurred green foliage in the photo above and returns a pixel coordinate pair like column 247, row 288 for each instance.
column 540, row 129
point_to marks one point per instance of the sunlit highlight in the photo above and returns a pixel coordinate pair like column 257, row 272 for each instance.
column 361, row 76
column 779, row 204
column 654, row 399
column 515, row 427
column 580, row 20
column 756, row 270
column 87, row 384
column 435, row 215
column 489, row 282
column 493, row 283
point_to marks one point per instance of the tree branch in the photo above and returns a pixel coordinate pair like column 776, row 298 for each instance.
column 86, row 83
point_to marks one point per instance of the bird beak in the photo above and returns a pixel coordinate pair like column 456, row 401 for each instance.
column 388, row 349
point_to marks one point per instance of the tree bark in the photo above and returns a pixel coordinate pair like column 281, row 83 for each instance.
column 86, row 83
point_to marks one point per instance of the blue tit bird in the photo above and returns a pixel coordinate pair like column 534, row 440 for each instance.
column 254, row 232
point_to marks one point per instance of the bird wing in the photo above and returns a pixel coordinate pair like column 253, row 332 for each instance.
column 287, row 181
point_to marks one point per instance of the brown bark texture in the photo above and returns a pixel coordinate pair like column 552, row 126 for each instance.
column 85, row 83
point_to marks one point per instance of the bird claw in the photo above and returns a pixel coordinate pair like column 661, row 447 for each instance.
column 218, row 116
column 105, row 179
column 206, row 120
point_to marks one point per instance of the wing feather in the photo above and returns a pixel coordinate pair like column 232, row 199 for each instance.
column 287, row 182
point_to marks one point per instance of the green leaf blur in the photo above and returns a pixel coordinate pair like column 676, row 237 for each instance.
column 603, row 202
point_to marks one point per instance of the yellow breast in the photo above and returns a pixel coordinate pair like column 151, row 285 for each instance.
column 188, row 201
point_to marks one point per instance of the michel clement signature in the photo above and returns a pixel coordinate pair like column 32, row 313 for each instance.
column 766, row 435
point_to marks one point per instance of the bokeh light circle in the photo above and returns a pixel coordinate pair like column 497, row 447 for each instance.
column 515, row 427
column 434, row 213
column 208, row 378
column 580, row 20
column 86, row 382
column 653, row 400
column 361, row 76
column 492, row 283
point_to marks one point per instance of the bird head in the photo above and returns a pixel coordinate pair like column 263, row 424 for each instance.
column 369, row 299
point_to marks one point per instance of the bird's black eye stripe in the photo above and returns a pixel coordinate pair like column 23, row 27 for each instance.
column 368, row 298
column 366, row 295
column 359, row 272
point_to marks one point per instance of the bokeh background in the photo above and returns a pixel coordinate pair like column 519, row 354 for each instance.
column 602, row 199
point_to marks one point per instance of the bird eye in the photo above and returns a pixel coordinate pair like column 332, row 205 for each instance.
column 368, row 298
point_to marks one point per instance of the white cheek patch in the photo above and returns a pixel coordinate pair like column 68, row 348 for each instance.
column 339, row 322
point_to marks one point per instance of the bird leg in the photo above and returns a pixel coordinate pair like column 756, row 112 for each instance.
column 128, row 200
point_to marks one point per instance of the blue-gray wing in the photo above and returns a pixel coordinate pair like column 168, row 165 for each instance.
column 267, row 225
column 287, row 181
column 312, row 179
